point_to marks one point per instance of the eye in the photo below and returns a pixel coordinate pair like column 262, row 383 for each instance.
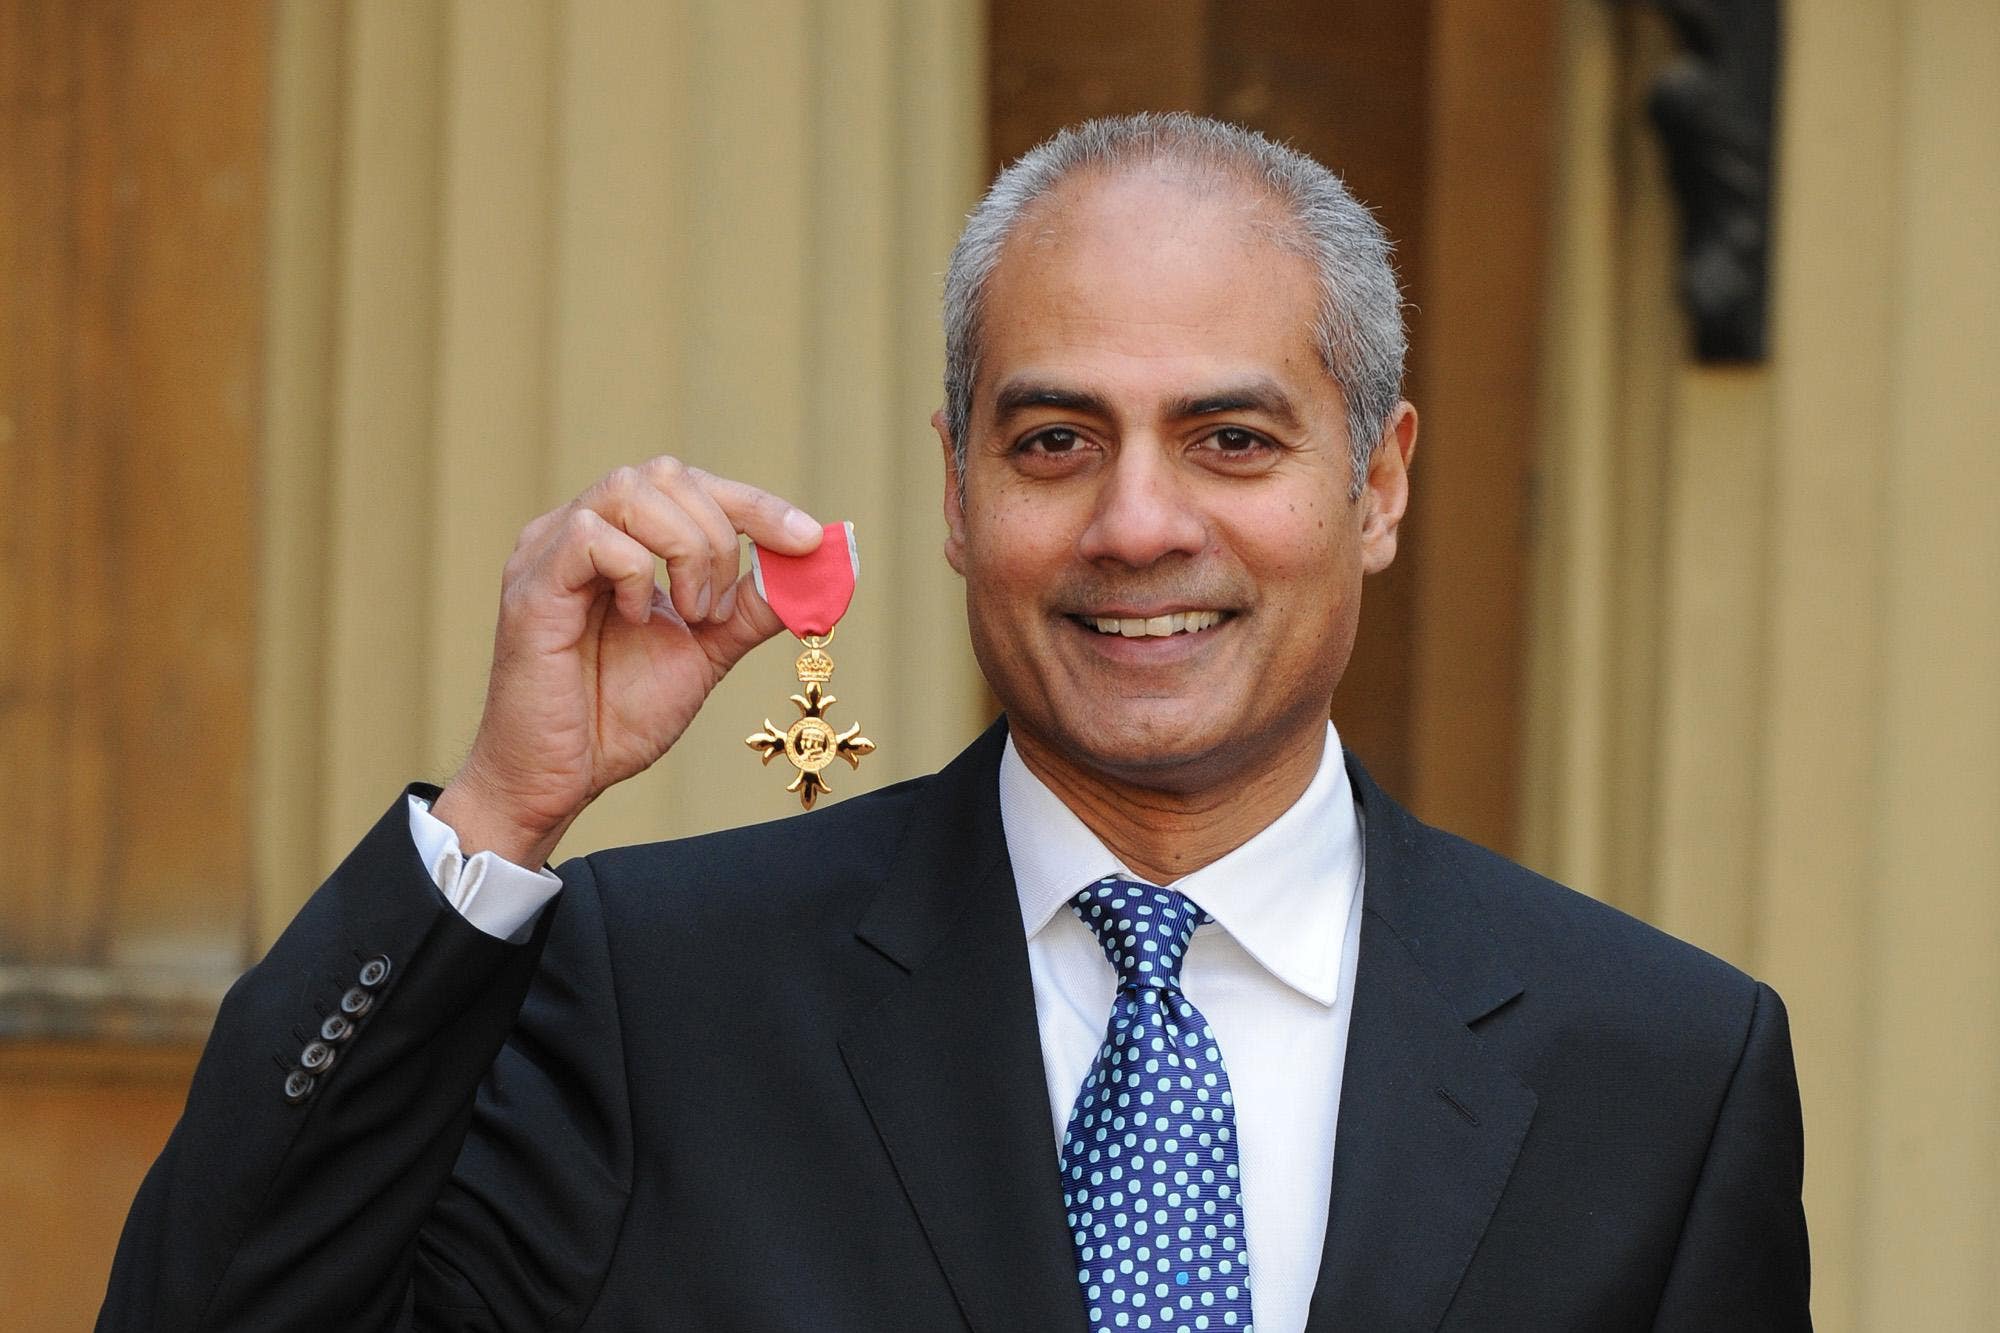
column 1237, row 443
column 1054, row 440
column 1236, row 451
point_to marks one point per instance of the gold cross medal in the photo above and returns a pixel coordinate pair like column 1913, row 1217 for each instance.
column 810, row 593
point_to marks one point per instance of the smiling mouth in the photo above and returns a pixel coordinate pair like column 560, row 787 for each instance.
column 1154, row 627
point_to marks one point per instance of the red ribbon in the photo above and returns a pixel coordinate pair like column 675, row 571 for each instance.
column 810, row 593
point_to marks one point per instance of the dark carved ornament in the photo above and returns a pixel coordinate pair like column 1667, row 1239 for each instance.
column 1715, row 106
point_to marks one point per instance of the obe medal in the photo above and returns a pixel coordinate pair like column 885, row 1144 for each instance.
column 810, row 593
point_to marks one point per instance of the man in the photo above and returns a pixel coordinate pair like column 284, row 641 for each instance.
column 1147, row 1012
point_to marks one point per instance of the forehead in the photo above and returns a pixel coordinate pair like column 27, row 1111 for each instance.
column 1146, row 276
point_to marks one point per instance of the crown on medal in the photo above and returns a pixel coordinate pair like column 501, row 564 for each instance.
column 814, row 665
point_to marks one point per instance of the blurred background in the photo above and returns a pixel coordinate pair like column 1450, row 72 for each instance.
column 306, row 307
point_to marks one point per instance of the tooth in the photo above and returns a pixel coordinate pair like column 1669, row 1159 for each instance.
column 1174, row 622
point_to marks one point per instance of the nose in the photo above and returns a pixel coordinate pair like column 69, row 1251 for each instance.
column 1144, row 512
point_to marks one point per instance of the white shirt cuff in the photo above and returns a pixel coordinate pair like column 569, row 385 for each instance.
column 491, row 892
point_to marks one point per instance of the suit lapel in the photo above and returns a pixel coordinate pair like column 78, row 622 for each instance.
column 1430, row 1120
column 949, row 1063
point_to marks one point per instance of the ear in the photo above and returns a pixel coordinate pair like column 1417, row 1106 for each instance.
column 1387, row 493
column 954, row 503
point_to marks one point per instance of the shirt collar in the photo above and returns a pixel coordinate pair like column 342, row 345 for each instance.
column 1283, row 896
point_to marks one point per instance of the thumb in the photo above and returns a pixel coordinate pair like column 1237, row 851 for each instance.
column 749, row 624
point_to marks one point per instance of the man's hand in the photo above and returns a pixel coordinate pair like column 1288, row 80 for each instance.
column 597, row 670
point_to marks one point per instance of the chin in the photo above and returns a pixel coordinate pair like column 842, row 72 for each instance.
column 1165, row 749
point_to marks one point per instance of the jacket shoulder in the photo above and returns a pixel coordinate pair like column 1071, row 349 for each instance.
column 1592, row 977
column 813, row 861
column 1426, row 880
column 1560, row 927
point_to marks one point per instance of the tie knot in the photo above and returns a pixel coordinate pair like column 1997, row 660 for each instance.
column 1143, row 929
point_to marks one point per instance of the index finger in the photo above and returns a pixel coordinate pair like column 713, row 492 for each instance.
column 775, row 524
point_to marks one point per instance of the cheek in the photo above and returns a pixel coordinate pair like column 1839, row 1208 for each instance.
column 1297, row 541
column 1012, row 542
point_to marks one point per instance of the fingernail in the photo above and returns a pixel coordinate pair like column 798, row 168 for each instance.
column 701, row 604
column 727, row 607
column 800, row 525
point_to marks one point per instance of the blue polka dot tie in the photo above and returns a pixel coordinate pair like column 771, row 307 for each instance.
column 1150, row 1182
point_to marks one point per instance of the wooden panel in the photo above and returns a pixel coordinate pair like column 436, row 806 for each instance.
column 131, row 198
column 1054, row 63
column 131, row 226
column 1346, row 83
column 83, row 1124
column 1438, row 116
column 1051, row 64
column 1488, row 202
column 54, row 563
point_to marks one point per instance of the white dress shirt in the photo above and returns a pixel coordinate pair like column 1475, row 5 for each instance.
column 1273, row 974
column 491, row 892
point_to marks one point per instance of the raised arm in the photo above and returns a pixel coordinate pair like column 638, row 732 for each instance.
column 596, row 669
column 310, row 1181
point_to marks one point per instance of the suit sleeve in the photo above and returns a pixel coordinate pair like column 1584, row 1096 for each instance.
column 1742, row 1260
column 310, row 1181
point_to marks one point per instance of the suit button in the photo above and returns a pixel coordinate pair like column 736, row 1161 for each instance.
column 337, row 1028
column 374, row 972
column 356, row 1002
column 316, row 1058
column 298, row 1086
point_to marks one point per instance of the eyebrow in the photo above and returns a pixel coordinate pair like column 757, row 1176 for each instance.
column 1261, row 395
column 1020, row 395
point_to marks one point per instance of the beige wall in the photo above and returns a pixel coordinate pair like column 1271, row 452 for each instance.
column 1766, row 702
column 516, row 244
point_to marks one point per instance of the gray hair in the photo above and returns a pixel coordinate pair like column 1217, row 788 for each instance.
column 1360, row 325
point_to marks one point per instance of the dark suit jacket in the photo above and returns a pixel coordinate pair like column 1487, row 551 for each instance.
column 789, row 1077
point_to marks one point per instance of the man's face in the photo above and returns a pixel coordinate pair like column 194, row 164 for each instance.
column 1162, row 562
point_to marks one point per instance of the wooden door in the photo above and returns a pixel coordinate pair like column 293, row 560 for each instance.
column 1438, row 115
column 131, row 242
